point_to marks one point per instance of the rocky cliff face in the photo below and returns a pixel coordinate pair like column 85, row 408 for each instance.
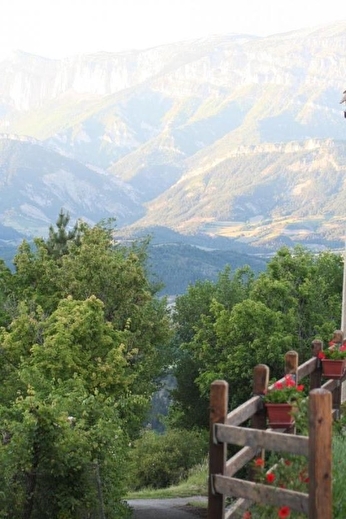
column 313, row 60
column 171, row 119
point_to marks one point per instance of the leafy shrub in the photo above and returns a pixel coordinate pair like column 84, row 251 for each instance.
column 159, row 461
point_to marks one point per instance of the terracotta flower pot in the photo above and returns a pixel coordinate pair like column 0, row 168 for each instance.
column 333, row 368
column 279, row 415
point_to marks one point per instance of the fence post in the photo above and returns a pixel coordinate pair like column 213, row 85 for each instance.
column 338, row 338
column 320, row 454
column 291, row 364
column 217, row 451
column 315, row 377
column 291, row 368
column 259, row 419
column 260, row 387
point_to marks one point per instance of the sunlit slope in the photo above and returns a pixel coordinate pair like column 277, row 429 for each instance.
column 261, row 193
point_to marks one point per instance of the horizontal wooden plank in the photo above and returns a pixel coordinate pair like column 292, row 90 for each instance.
column 244, row 411
column 239, row 460
column 307, row 368
column 260, row 493
column 238, row 505
column 331, row 384
column 256, row 438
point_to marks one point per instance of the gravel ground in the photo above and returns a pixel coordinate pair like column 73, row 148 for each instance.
column 176, row 508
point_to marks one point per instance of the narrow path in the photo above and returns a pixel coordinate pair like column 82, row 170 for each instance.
column 175, row 508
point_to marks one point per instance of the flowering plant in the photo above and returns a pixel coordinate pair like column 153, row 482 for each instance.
column 333, row 352
column 284, row 391
column 289, row 473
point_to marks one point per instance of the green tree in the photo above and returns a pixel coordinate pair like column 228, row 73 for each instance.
column 59, row 239
column 194, row 311
column 159, row 461
column 306, row 288
column 297, row 298
column 232, row 342
column 79, row 359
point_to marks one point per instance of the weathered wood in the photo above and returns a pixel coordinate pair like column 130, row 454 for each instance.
column 260, row 493
column 334, row 414
column 260, row 387
column 336, row 400
column 275, row 441
column 320, row 454
column 238, row 505
column 244, row 411
column 260, row 379
column 239, row 460
column 259, row 419
column 217, row 452
column 315, row 377
column 291, row 368
column 291, row 364
column 338, row 337
column 307, row 368
column 330, row 385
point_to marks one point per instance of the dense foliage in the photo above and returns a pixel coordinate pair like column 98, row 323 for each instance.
column 84, row 345
column 81, row 346
column 159, row 461
column 224, row 329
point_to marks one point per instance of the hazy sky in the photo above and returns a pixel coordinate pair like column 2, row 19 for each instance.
column 58, row 28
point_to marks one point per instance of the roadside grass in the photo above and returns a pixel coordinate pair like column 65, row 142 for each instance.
column 194, row 485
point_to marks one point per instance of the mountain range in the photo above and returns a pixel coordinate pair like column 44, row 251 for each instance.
column 233, row 135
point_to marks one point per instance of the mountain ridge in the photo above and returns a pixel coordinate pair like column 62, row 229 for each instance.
column 236, row 135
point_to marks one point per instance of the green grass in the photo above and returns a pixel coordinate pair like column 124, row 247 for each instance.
column 195, row 484
column 339, row 471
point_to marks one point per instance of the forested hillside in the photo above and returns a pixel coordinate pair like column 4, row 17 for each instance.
column 86, row 342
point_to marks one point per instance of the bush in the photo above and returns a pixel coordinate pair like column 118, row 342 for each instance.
column 159, row 461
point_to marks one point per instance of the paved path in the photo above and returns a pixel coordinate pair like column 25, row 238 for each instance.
column 176, row 508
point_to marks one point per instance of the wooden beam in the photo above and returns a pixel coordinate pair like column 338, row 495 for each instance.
column 331, row 384
column 238, row 505
column 307, row 368
column 315, row 377
column 261, row 493
column 240, row 459
column 320, row 454
column 291, row 364
column 244, row 411
column 217, row 452
column 260, row 387
column 271, row 440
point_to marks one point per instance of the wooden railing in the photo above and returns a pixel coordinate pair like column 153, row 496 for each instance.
column 225, row 429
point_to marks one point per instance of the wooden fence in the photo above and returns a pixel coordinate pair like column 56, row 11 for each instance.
column 225, row 429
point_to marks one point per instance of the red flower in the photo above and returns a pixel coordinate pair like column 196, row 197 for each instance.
column 289, row 381
column 321, row 355
column 270, row 477
column 288, row 462
column 300, row 387
column 278, row 385
column 259, row 462
column 304, row 478
column 284, row 511
column 343, row 347
column 247, row 515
